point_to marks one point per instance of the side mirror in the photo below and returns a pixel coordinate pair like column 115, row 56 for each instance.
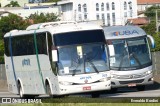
column 152, row 41
column 54, row 56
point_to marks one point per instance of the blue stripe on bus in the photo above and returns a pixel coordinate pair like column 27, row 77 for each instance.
column 38, row 62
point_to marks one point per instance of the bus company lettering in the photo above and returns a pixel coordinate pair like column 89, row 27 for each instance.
column 26, row 62
column 127, row 32
column 88, row 77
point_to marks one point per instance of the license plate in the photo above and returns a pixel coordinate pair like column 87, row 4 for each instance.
column 87, row 88
column 131, row 85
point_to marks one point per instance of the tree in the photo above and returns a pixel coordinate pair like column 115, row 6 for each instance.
column 8, row 23
column 13, row 4
column 157, row 41
column 151, row 27
column 11, row 22
column 1, row 51
column 40, row 18
column 151, row 12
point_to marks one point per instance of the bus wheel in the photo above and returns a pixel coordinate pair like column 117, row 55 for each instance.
column 141, row 88
column 95, row 95
column 20, row 91
column 114, row 90
column 48, row 90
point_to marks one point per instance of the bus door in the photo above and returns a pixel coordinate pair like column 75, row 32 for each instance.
column 50, row 46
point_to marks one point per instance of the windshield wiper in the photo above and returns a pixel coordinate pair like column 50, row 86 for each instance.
column 94, row 67
column 78, row 64
column 135, row 57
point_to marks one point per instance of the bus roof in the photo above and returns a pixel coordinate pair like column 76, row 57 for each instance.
column 55, row 27
column 120, row 32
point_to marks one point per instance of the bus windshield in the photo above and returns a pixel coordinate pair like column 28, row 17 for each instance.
column 129, row 54
column 81, row 59
column 79, row 37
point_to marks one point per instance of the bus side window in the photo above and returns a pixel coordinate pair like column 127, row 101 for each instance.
column 7, row 51
column 50, row 44
column 41, row 43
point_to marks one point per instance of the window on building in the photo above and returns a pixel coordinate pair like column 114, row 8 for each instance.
column 79, row 7
column 130, row 12
column 108, row 19
column 125, row 14
column 85, row 16
column 103, row 17
column 85, row 7
column 130, row 5
column 113, row 6
column 97, row 16
column 97, row 7
column 102, row 7
column 107, row 6
column 113, row 18
column 125, row 6
column 79, row 17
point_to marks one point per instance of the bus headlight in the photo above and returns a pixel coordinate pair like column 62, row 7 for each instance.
column 113, row 76
column 147, row 72
column 105, row 79
column 65, row 83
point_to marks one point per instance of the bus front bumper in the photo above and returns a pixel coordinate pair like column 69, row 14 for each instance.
column 116, row 83
column 72, row 89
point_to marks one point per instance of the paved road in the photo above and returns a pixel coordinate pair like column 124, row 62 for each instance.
column 123, row 92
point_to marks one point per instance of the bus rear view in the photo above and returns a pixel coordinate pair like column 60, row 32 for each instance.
column 130, row 56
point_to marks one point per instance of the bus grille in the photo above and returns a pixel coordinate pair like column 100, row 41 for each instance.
column 128, row 82
column 130, row 76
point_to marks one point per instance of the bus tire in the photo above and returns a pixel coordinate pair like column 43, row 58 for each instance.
column 20, row 91
column 95, row 95
column 22, row 96
column 141, row 88
column 48, row 90
column 114, row 90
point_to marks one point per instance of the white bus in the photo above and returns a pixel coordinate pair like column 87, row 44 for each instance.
column 130, row 56
column 57, row 58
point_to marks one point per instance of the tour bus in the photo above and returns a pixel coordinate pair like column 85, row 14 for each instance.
column 57, row 58
column 130, row 56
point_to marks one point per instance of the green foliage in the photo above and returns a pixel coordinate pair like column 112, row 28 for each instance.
column 8, row 23
column 13, row 4
column 157, row 41
column 40, row 18
column 11, row 22
column 151, row 11
column 1, row 51
column 150, row 28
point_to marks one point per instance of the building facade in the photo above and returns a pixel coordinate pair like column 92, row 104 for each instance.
column 27, row 11
column 111, row 12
